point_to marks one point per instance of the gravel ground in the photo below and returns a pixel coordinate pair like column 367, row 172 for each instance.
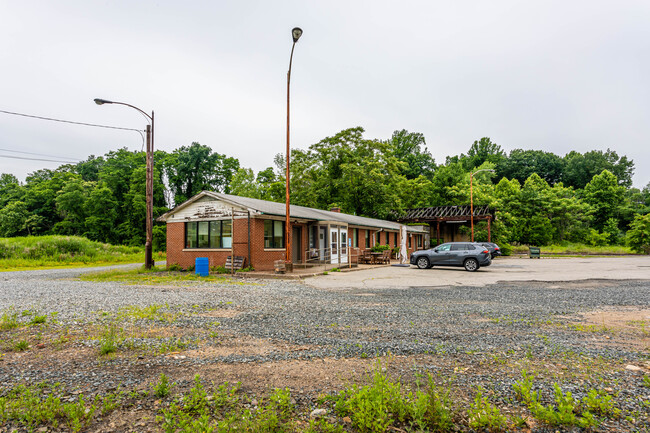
column 467, row 324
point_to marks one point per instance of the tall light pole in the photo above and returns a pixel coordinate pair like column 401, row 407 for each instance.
column 296, row 32
column 471, row 197
column 148, row 246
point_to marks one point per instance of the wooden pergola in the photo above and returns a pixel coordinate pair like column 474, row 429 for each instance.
column 449, row 214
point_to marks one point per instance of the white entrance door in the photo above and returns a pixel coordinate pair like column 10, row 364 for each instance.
column 334, row 244
column 344, row 244
column 339, row 244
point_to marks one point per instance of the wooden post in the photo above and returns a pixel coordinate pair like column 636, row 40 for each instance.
column 249, row 240
column 489, row 234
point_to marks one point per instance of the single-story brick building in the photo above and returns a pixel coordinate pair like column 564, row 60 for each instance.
column 216, row 226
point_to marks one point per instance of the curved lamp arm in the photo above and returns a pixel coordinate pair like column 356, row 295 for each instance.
column 100, row 101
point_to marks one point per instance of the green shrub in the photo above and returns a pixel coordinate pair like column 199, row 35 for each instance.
column 485, row 416
column 162, row 388
column 383, row 404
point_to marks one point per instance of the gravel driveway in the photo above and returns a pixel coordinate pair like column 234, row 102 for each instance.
column 329, row 319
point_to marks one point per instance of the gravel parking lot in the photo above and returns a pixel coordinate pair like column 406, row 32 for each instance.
column 586, row 316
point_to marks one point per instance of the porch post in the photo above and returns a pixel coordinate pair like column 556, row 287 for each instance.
column 232, row 242
column 249, row 239
column 438, row 233
column 489, row 234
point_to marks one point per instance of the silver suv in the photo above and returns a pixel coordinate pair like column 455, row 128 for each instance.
column 469, row 255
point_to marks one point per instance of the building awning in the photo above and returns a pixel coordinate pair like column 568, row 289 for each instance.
column 447, row 213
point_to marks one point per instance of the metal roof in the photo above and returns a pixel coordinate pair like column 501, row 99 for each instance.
column 265, row 207
column 441, row 213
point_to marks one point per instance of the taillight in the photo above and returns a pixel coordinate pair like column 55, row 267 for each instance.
column 496, row 249
column 486, row 251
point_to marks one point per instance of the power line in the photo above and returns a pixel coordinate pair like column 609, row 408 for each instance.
column 33, row 153
column 69, row 121
column 38, row 159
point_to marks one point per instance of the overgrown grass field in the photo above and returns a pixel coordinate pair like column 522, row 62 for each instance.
column 577, row 249
column 38, row 252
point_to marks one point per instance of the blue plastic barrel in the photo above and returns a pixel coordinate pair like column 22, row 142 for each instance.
column 202, row 266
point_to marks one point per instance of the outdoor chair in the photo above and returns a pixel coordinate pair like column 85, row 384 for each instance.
column 385, row 258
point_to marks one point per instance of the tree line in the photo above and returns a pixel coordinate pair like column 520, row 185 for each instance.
column 540, row 197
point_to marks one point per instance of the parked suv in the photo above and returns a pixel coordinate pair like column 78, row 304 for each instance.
column 492, row 248
column 469, row 255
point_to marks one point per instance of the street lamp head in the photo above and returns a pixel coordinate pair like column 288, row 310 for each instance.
column 102, row 101
column 296, row 33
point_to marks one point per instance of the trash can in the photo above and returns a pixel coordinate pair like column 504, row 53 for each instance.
column 202, row 266
column 534, row 252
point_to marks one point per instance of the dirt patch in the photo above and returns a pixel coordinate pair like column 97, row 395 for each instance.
column 626, row 318
column 243, row 345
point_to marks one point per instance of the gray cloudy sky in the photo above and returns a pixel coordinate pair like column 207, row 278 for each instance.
column 549, row 75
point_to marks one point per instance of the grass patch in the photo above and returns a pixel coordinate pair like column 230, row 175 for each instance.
column 156, row 275
column 577, row 249
column 109, row 340
column 42, row 252
column 9, row 320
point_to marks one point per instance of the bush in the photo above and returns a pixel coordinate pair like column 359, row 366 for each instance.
column 379, row 248
column 638, row 237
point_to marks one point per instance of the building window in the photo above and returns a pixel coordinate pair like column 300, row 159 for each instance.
column 367, row 238
column 387, row 238
column 410, row 240
column 208, row 234
column 419, row 242
column 395, row 239
column 355, row 238
column 273, row 234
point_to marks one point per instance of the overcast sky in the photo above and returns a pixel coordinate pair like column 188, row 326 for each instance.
column 548, row 75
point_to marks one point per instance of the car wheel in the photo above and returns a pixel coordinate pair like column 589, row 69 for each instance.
column 422, row 262
column 471, row 265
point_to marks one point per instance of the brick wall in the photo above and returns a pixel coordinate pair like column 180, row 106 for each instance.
column 261, row 259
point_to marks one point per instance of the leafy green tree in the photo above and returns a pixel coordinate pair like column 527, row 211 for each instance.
column 13, row 219
column 444, row 180
column 569, row 215
column 482, row 151
column 195, row 168
column 244, row 184
column 70, row 202
column 520, row 164
column 101, row 209
column 90, row 168
column 535, row 197
column 605, row 196
column 638, row 237
column 410, row 148
column 10, row 189
column 580, row 169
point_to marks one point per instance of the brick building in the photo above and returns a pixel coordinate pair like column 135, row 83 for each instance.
column 218, row 225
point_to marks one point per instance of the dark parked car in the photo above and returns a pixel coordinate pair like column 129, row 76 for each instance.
column 492, row 248
column 467, row 254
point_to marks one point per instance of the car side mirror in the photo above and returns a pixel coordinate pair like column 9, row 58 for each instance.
column 435, row 250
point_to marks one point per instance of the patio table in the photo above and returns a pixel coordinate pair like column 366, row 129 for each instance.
column 376, row 257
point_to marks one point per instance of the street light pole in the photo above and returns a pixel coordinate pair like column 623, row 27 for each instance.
column 296, row 32
column 471, row 198
column 148, row 246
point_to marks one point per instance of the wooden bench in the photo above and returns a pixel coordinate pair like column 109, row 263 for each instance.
column 239, row 262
